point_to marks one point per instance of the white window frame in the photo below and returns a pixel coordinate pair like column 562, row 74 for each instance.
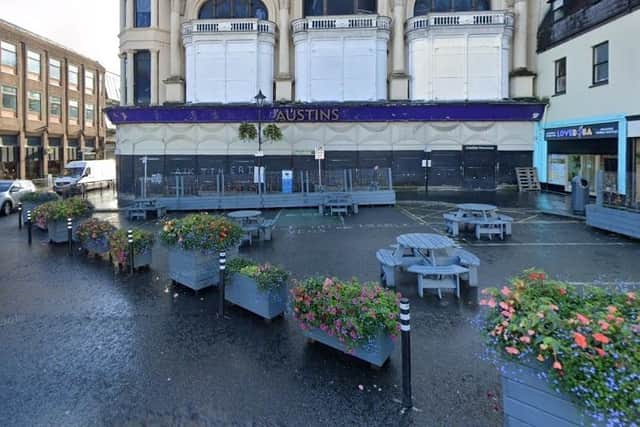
column 33, row 114
column 89, row 122
column 55, row 63
column 89, row 76
column 52, row 117
column 8, row 47
column 33, row 56
column 71, row 70
column 6, row 112
column 73, row 120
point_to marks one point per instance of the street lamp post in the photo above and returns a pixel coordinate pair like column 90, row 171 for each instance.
column 260, row 102
column 427, row 167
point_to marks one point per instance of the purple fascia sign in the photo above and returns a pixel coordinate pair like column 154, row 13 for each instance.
column 328, row 113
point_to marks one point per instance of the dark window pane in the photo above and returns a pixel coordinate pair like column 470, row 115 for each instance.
column 339, row 7
column 602, row 53
column 142, row 77
column 441, row 5
column 367, row 6
column 223, row 9
column 483, row 5
column 602, row 73
column 143, row 13
column 206, row 11
column 260, row 11
column 422, row 7
column 313, row 7
column 242, row 9
column 462, row 5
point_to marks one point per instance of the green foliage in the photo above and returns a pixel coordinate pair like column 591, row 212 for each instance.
column 267, row 276
column 119, row 243
column 247, row 132
column 94, row 229
column 201, row 232
column 590, row 340
column 60, row 210
column 272, row 132
column 351, row 311
column 39, row 197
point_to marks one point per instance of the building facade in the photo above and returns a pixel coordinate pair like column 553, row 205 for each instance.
column 375, row 83
column 52, row 103
column 588, row 66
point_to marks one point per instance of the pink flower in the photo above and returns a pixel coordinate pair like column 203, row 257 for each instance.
column 580, row 340
column 604, row 325
column 554, row 307
column 601, row 352
column 583, row 319
column 491, row 303
column 557, row 365
column 612, row 309
column 525, row 339
column 631, row 296
column 328, row 282
column 512, row 350
column 531, row 332
column 505, row 291
column 503, row 305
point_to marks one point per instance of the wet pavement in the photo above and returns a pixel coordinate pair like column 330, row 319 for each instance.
column 83, row 345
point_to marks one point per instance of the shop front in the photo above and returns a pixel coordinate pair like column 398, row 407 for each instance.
column 582, row 150
column 73, row 150
column 33, row 157
column 9, row 156
column 54, row 156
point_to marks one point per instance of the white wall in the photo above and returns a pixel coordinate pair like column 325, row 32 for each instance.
column 620, row 96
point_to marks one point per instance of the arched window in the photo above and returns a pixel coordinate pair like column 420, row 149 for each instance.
column 214, row 9
column 339, row 7
column 424, row 7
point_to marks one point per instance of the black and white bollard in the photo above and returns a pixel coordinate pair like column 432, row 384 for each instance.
column 223, row 266
column 405, row 329
column 131, row 255
column 70, row 235
column 20, row 216
column 29, row 227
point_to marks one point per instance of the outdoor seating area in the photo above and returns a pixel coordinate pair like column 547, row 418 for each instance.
column 142, row 207
column 433, row 258
column 254, row 225
column 481, row 219
column 338, row 204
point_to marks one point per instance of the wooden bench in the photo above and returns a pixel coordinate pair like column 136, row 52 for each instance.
column 341, row 204
column 266, row 229
column 489, row 227
column 507, row 223
column 140, row 209
column 388, row 266
column 469, row 261
column 438, row 277
column 452, row 223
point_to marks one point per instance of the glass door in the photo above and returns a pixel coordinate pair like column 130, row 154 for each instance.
column 589, row 170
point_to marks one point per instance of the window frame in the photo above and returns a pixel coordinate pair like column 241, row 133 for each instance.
column 75, row 105
column 71, row 84
column 253, row 5
column 53, row 117
column 89, row 108
column 6, row 47
column 34, row 114
column 52, row 80
column 559, row 76
column 13, row 111
column 31, row 59
column 89, row 76
column 138, row 21
column 596, row 65
column 140, row 98
column 476, row 6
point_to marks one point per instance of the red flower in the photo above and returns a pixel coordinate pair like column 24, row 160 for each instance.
column 601, row 338
column 562, row 291
column 536, row 276
column 583, row 319
column 601, row 352
column 580, row 340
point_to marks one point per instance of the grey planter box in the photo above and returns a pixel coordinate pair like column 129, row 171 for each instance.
column 58, row 230
column 29, row 206
column 97, row 246
column 195, row 269
column 143, row 259
column 243, row 291
column 376, row 351
column 531, row 401
column 619, row 221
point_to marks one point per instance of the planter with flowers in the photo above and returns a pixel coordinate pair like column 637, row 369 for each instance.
column 142, row 248
column 57, row 212
column 31, row 201
column 194, row 244
column 258, row 288
column 570, row 356
column 93, row 235
column 361, row 320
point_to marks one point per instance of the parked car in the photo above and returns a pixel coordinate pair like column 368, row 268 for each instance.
column 11, row 192
column 85, row 175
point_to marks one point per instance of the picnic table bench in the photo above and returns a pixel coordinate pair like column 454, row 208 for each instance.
column 141, row 207
column 438, row 277
column 341, row 204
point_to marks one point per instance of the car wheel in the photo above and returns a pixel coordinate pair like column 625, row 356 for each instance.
column 6, row 208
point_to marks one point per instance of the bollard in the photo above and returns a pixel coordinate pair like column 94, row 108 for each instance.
column 130, row 240
column 223, row 266
column 29, row 227
column 70, row 235
column 405, row 328
column 20, row 216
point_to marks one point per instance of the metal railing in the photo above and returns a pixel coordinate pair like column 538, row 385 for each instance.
column 221, row 184
column 204, row 26
column 341, row 22
column 453, row 19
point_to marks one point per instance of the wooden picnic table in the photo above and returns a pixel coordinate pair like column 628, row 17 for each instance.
column 477, row 210
column 425, row 241
column 245, row 216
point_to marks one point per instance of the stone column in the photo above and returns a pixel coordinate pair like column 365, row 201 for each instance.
column 520, row 35
column 123, row 79
column 130, row 79
column 45, row 153
column 284, row 81
column 129, row 14
column 399, row 80
column 154, row 13
column 22, row 153
column 154, row 76
column 175, row 83
column 123, row 14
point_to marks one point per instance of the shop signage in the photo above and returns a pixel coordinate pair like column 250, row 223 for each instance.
column 600, row 130
column 306, row 114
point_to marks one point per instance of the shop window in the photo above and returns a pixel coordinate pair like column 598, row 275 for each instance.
column 601, row 64
column 339, row 7
column 33, row 65
column 424, row 7
column 9, row 101
column 8, row 58
column 55, row 109
column 89, row 115
column 73, row 112
column 73, row 150
column 33, row 157
column 89, row 82
column 142, row 13
column 142, row 77
column 54, row 72
column 34, row 105
column 73, row 77
column 561, row 76
column 224, row 9
column 54, row 162
column 9, row 155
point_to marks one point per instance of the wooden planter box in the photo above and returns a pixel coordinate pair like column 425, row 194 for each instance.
column 376, row 351
column 58, row 230
column 243, row 291
column 195, row 269
column 619, row 221
column 531, row 401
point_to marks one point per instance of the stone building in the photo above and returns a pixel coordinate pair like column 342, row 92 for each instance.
column 382, row 83
column 51, row 108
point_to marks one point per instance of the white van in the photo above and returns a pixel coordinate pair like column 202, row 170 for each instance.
column 86, row 175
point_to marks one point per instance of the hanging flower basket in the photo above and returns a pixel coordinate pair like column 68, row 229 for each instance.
column 195, row 242
column 361, row 320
